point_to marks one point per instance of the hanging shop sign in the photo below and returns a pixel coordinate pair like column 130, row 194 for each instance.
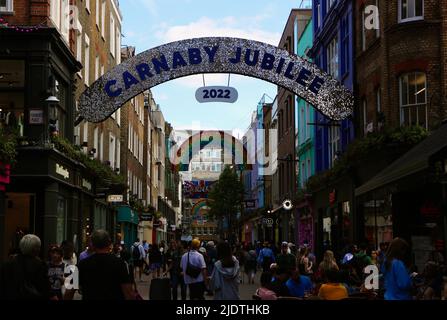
column 215, row 55
column 217, row 94
column 115, row 198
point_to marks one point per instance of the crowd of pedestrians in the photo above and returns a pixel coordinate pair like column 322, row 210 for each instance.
column 112, row 272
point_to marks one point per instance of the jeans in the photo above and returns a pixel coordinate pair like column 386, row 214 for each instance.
column 177, row 280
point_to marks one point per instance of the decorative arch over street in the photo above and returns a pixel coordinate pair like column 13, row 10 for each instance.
column 215, row 55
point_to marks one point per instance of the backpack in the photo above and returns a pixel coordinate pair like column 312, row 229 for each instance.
column 136, row 253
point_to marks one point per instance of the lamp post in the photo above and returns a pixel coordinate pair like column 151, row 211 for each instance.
column 49, row 113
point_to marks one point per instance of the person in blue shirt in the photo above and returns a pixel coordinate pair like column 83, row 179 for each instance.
column 266, row 257
column 398, row 281
column 298, row 285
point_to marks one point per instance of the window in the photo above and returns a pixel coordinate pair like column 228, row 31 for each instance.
column 6, row 6
column 308, row 120
column 118, row 117
column 103, row 18
column 97, row 68
column 334, row 144
column 60, row 15
column 101, row 147
column 410, row 10
column 97, row 13
column 364, row 116
column 79, row 44
column 87, row 5
column 87, row 61
column 112, row 36
column 118, row 45
column 378, row 100
column 129, row 138
column 318, row 15
column 378, row 20
column 309, row 169
column 112, row 150
column 85, row 134
column 95, row 141
column 413, row 99
column 329, row 4
column 345, row 46
column 118, row 153
column 303, row 174
column 363, row 34
column 332, row 58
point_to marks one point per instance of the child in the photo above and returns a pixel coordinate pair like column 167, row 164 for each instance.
column 56, row 270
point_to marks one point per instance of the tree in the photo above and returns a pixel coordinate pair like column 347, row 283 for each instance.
column 226, row 196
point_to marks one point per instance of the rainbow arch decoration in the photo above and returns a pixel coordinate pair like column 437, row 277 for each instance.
column 210, row 139
column 196, row 215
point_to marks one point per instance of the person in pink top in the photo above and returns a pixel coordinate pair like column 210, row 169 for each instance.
column 264, row 293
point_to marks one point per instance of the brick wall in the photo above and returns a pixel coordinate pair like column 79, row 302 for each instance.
column 401, row 48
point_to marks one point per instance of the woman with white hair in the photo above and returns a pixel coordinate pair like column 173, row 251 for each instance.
column 25, row 276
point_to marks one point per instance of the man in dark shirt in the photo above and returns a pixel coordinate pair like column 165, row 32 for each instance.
column 286, row 261
column 103, row 276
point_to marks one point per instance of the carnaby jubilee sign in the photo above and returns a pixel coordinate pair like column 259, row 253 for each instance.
column 215, row 55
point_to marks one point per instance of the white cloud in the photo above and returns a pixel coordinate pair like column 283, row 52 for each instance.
column 224, row 27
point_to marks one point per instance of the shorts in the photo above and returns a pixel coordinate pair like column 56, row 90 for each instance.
column 155, row 266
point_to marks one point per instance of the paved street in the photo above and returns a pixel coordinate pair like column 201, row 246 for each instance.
column 246, row 290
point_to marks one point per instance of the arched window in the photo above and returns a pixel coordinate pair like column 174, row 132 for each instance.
column 413, row 99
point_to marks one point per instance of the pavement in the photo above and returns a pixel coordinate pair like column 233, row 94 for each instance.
column 246, row 290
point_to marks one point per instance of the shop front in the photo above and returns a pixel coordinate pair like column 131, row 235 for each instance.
column 408, row 199
column 127, row 223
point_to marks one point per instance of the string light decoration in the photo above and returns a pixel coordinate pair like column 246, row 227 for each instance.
column 5, row 25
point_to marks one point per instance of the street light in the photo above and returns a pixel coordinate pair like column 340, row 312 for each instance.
column 50, row 102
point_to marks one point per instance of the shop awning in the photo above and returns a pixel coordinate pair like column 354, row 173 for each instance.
column 126, row 214
column 414, row 161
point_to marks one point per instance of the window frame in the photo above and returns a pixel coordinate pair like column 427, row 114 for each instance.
column 9, row 8
column 414, row 105
column 414, row 18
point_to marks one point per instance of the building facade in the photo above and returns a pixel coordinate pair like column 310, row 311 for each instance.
column 37, row 103
column 333, row 52
column 400, row 59
column 305, row 144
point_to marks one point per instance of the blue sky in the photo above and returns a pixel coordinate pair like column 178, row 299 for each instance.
column 149, row 23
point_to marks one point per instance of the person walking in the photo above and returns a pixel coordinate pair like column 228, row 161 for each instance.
column 226, row 275
column 103, row 276
column 305, row 264
column 251, row 266
column 25, row 276
column 56, row 272
column 155, row 261
column 194, row 271
column 398, row 281
column 266, row 257
column 174, row 258
column 138, row 256
column 286, row 261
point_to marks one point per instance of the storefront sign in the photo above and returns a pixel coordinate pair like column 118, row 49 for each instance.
column 115, row 198
column 215, row 55
column 429, row 210
column 146, row 217
column 60, row 170
column 36, row 117
column 86, row 184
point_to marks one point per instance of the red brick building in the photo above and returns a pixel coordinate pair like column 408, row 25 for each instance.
column 401, row 82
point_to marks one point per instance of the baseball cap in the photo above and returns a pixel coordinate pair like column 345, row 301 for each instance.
column 284, row 244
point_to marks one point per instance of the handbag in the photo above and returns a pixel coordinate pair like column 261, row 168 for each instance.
column 192, row 270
